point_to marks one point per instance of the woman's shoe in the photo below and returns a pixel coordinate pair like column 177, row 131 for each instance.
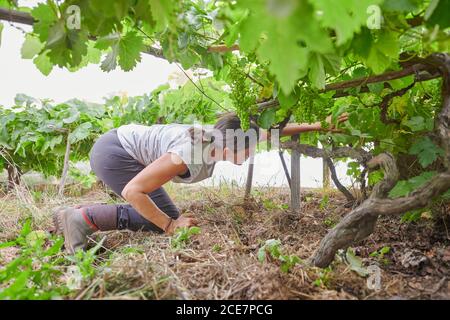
column 75, row 226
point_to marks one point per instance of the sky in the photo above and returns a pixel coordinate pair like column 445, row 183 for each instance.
column 21, row 76
column 18, row 75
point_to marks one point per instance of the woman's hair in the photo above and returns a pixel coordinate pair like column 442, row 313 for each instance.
column 227, row 122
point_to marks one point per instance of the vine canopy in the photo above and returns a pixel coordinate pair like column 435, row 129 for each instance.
column 285, row 43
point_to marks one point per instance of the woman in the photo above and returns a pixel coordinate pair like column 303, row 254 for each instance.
column 135, row 161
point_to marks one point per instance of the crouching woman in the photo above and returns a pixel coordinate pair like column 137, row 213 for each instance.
column 135, row 161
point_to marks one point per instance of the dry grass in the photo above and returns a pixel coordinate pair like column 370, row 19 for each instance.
column 221, row 262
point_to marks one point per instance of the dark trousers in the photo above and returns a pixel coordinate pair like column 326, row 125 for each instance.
column 114, row 166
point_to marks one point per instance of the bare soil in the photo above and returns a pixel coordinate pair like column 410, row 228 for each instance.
column 221, row 262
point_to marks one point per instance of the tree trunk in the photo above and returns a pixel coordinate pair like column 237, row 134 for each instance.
column 360, row 222
column 13, row 176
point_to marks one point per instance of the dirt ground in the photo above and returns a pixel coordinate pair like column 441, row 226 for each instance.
column 221, row 262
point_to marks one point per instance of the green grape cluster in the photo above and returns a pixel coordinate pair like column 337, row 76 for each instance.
column 242, row 96
column 311, row 108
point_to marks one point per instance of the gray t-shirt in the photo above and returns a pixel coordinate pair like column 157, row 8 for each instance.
column 148, row 143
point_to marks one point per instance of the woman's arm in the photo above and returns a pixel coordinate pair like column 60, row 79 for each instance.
column 294, row 128
column 151, row 178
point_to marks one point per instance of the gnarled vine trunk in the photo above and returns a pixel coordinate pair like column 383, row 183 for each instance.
column 360, row 222
column 13, row 176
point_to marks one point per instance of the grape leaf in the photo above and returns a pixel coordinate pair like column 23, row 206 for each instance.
column 418, row 123
column 345, row 18
column 404, row 187
column 130, row 47
column 426, row 151
column 382, row 52
column 45, row 18
column 401, row 83
column 31, row 47
column 399, row 5
column 161, row 12
column 279, row 37
column 267, row 118
column 437, row 14
column 126, row 49
column 43, row 63
column 316, row 71
column 319, row 65
column 376, row 88
column 110, row 61
column 287, row 60
column 7, row 4
column 68, row 47
column 362, row 43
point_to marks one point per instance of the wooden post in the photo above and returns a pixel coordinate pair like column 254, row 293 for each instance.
column 295, row 177
column 286, row 172
column 325, row 175
column 65, row 168
column 248, row 185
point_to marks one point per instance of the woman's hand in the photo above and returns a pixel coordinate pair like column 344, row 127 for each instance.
column 331, row 127
column 182, row 221
column 295, row 128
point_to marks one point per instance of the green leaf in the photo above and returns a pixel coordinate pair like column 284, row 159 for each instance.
column 55, row 248
column 80, row 133
column 267, row 118
column 45, row 17
column 7, row 244
column 412, row 215
column 73, row 116
column 355, row 263
column 383, row 52
column 287, row 101
column 56, row 34
column 437, row 14
column 418, row 123
column 317, row 71
column 34, row 237
column 9, row 4
column 404, row 187
column 401, row 83
column 362, row 43
column 426, row 151
column 43, row 63
column 161, row 12
column 18, row 285
column 31, row 47
column 109, row 63
column 66, row 47
column 130, row 47
column 262, row 254
column 399, row 5
column 26, row 228
column 376, row 88
column 288, row 61
column 51, row 143
column 127, row 49
column 194, row 230
column 280, row 37
column 105, row 42
column 345, row 18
